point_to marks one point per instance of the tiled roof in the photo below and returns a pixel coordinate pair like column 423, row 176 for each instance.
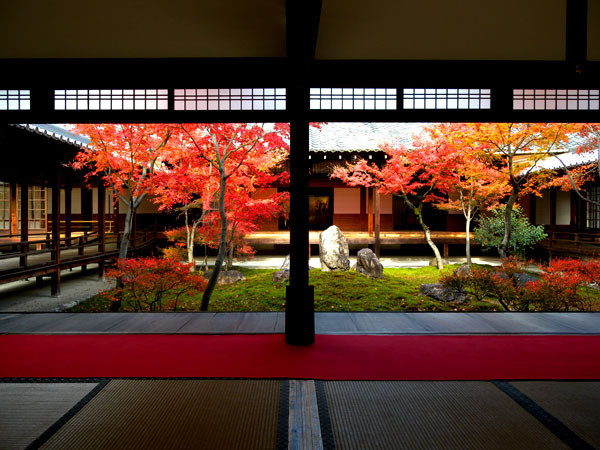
column 361, row 136
column 568, row 160
column 55, row 132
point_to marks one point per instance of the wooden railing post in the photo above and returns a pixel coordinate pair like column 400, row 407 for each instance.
column 55, row 285
column 101, row 225
column 68, row 202
column 24, row 224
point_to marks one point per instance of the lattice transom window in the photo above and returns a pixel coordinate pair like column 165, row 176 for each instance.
column 446, row 98
column 353, row 98
column 593, row 211
column 556, row 99
column 4, row 206
column 15, row 100
column 256, row 99
column 36, row 208
column 111, row 99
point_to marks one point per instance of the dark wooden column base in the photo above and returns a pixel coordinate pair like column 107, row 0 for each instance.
column 299, row 316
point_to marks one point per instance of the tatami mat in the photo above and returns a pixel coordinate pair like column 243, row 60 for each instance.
column 28, row 409
column 575, row 403
column 426, row 415
column 175, row 414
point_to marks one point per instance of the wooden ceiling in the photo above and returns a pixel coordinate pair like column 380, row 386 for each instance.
column 349, row 29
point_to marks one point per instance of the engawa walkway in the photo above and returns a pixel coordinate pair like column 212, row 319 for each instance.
column 326, row 323
column 155, row 412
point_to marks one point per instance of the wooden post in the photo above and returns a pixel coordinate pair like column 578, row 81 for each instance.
column 14, row 219
column 552, row 210
column 377, row 222
column 133, row 231
column 446, row 250
column 68, row 201
column 363, row 208
column 299, row 307
column 24, row 223
column 370, row 210
column 101, row 225
column 115, row 215
column 55, row 285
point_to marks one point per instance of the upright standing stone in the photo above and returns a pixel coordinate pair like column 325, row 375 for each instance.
column 368, row 264
column 333, row 250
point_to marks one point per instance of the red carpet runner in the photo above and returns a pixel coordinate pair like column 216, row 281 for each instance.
column 332, row 357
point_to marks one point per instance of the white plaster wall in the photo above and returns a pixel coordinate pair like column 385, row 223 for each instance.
column 108, row 208
column 563, row 208
column 346, row 201
column 76, row 201
column 542, row 209
column 147, row 207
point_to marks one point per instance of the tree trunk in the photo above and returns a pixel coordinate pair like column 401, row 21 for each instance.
column 418, row 212
column 124, row 247
column 189, row 242
column 468, row 239
column 222, row 245
column 229, row 264
column 126, row 231
column 503, row 249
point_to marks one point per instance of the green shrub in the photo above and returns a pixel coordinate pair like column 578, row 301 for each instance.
column 489, row 231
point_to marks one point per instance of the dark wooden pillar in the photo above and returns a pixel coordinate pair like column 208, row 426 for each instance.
column 55, row 284
column 553, row 194
column 377, row 221
column 68, row 212
column 86, row 208
column 115, row 214
column 134, row 230
column 24, row 223
column 101, row 227
column 574, row 223
column 14, row 219
column 299, row 308
column 363, row 209
column 370, row 210
column 532, row 209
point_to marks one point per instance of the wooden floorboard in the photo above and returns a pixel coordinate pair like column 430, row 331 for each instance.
column 155, row 322
column 325, row 323
column 335, row 323
column 384, row 323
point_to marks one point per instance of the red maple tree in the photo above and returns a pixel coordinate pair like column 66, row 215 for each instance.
column 126, row 157
column 419, row 175
column 230, row 161
column 515, row 150
column 476, row 185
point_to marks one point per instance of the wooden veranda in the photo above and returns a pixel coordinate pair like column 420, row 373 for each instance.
column 43, row 255
column 444, row 238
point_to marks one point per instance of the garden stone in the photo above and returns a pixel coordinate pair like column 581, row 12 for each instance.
column 333, row 250
column 433, row 262
column 520, row 279
column 523, row 278
column 368, row 264
column 440, row 292
column 284, row 271
column 226, row 277
column 281, row 275
column 463, row 271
